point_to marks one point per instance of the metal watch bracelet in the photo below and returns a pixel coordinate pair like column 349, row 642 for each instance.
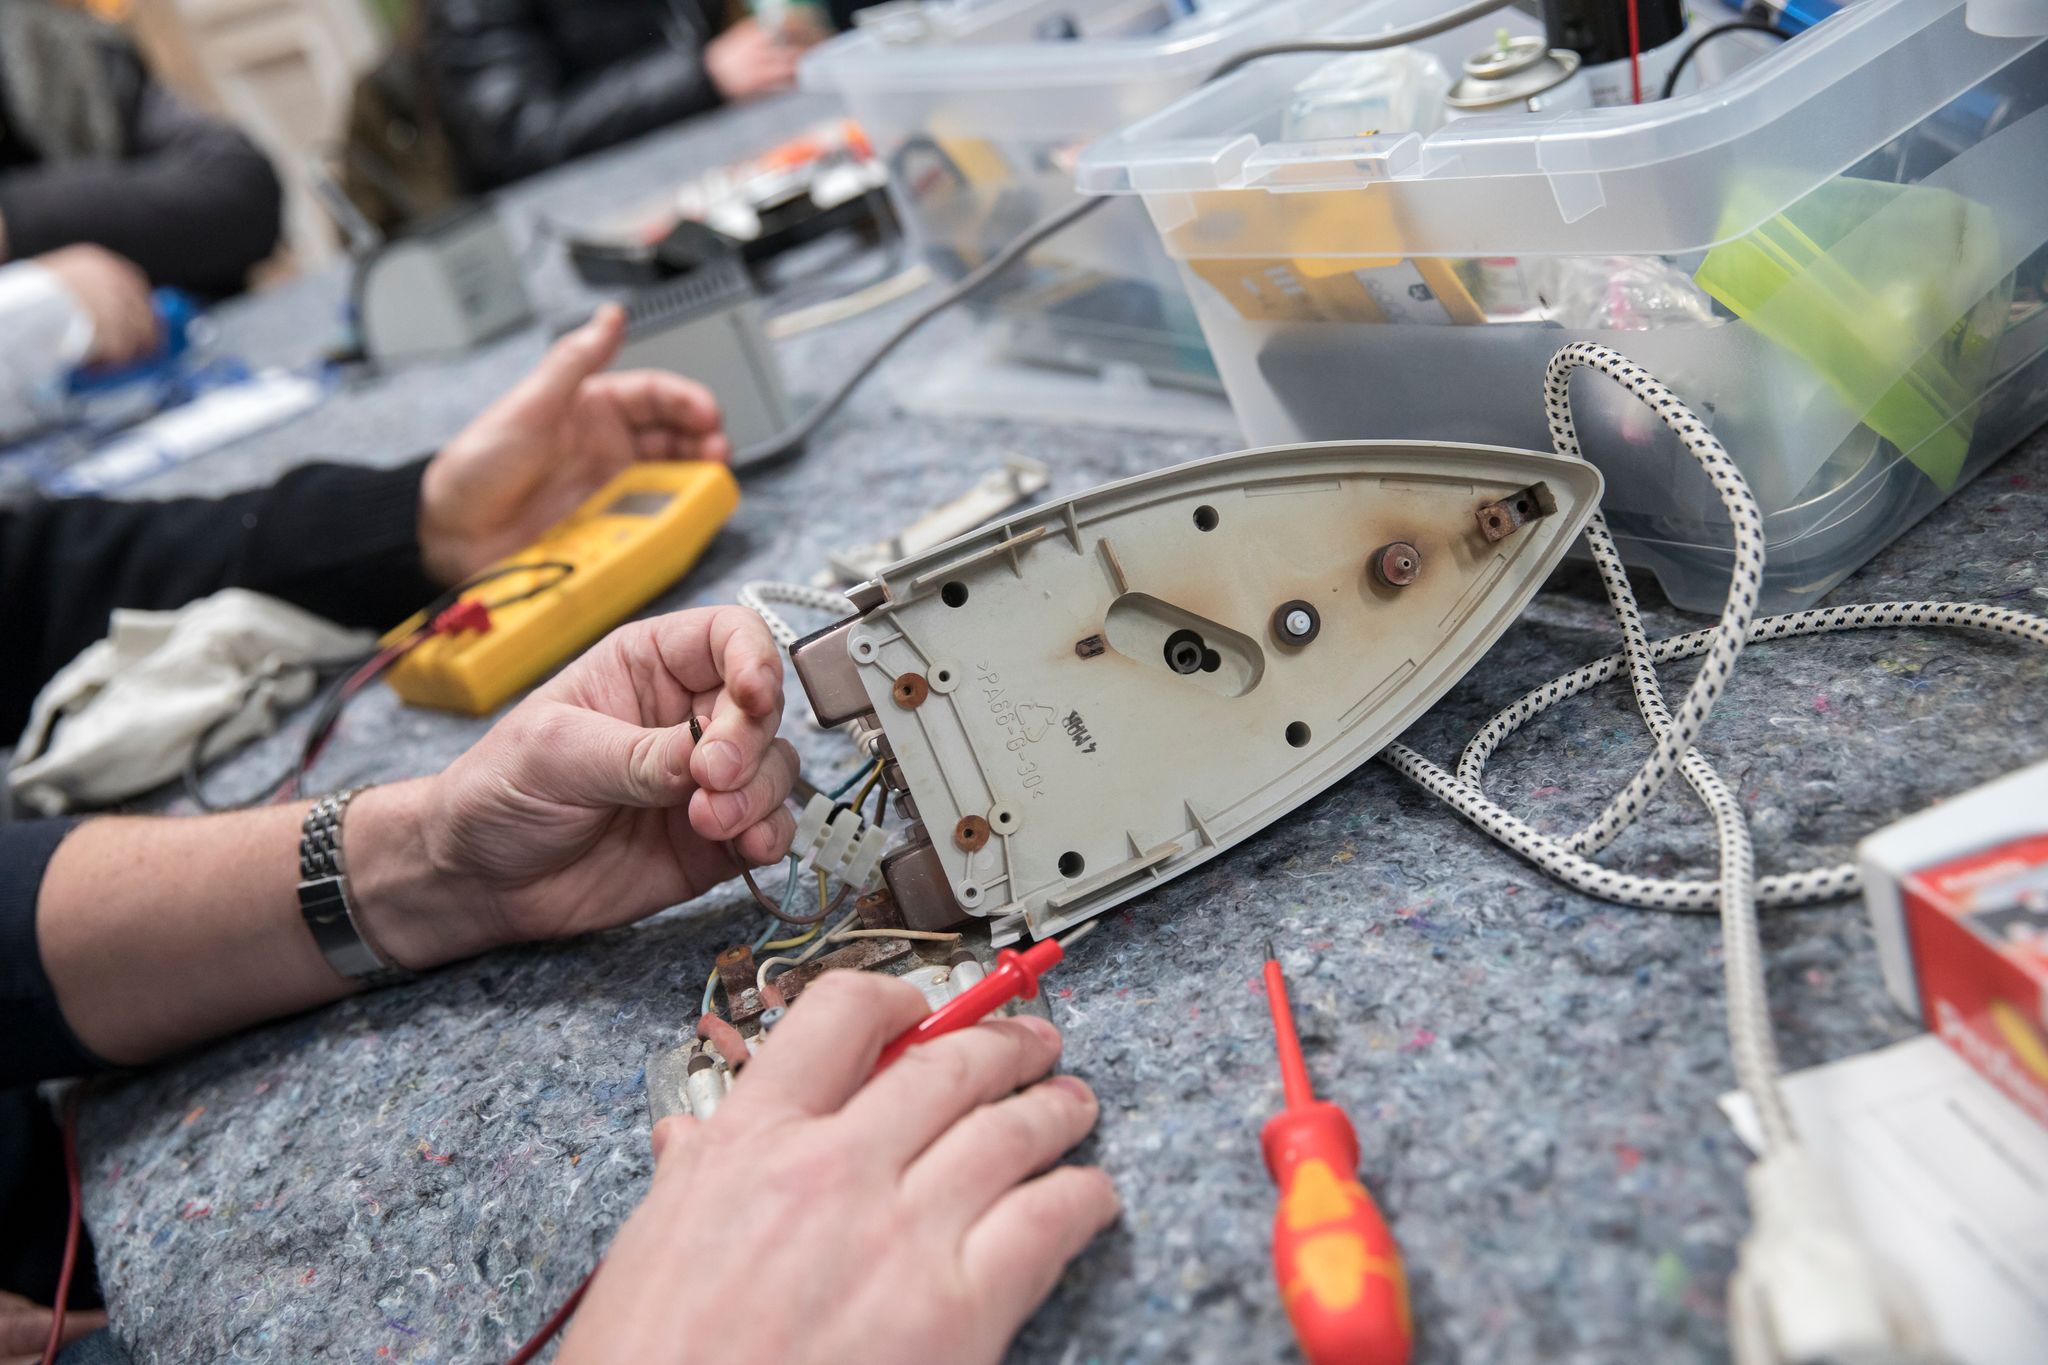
column 325, row 903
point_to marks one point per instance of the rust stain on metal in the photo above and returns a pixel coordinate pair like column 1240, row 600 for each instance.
column 878, row 910
column 736, row 970
column 910, row 691
column 857, row 957
column 1399, row 564
column 1501, row 519
column 971, row 833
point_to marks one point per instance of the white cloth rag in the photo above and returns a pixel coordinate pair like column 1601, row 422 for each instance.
column 123, row 717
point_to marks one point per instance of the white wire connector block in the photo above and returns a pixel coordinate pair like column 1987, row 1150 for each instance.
column 838, row 842
column 1806, row 1289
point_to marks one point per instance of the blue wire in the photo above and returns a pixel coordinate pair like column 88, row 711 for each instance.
column 848, row 785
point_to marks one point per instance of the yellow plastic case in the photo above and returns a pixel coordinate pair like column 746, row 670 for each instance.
column 631, row 539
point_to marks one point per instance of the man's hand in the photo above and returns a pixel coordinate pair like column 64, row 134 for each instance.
column 25, row 1329
column 532, row 456
column 589, row 805
column 114, row 295
column 747, row 60
column 830, row 1218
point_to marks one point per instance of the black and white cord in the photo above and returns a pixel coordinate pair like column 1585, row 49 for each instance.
column 1736, row 893
column 762, row 597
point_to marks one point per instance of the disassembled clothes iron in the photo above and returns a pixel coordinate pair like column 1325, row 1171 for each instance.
column 1097, row 695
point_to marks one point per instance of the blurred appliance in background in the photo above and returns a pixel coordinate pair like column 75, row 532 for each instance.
column 706, row 323
column 442, row 289
column 823, row 180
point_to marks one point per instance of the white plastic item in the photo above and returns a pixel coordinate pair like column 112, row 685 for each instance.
column 979, row 110
column 127, row 713
column 1806, row 1290
column 1880, row 173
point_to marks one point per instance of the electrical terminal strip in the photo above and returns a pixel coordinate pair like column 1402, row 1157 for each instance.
column 838, row 842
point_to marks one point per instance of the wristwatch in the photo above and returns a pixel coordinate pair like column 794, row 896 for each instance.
column 325, row 903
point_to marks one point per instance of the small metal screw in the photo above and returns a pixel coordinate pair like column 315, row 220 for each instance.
column 772, row 1016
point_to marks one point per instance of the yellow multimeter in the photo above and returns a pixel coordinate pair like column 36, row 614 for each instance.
column 626, row 543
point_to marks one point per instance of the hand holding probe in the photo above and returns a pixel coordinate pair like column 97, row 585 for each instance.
column 1014, row 977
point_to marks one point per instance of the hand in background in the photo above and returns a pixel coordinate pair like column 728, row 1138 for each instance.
column 114, row 294
column 747, row 60
column 531, row 457
column 589, row 805
column 25, row 1328
column 833, row 1218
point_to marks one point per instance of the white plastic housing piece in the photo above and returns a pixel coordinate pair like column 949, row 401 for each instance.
column 1056, row 752
column 1806, row 1291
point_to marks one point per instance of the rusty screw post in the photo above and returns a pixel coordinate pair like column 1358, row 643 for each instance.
column 971, row 833
column 1397, row 565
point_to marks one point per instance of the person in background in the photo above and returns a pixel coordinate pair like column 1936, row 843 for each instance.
column 77, row 305
column 92, row 150
column 523, row 85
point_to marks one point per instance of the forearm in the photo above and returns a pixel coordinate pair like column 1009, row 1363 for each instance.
column 158, row 934
column 194, row 203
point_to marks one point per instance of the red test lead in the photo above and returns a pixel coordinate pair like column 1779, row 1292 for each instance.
column 1014, row 977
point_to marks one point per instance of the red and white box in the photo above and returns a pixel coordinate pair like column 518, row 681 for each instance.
column 1959, row 898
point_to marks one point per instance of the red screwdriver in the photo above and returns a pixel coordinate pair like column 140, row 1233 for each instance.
column 1014, row 977
column 1339, row 1271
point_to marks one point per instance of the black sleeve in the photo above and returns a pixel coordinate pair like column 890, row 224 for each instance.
column 511, row 108
column 194, row 203
column 338, row 540
column 40, row 1044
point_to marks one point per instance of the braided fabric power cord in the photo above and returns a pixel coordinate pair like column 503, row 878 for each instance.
column 756, row 597
column 1736, row 893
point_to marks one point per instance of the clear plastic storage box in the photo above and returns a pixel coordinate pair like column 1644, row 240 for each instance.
column 980, row 108
column 1835, row 254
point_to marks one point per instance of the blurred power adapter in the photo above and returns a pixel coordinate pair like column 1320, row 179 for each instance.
column 706, row 324
column 443, row 289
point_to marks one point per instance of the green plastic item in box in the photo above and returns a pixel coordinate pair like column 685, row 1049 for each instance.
column 1891, row 293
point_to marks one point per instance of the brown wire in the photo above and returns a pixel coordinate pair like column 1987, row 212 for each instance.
column 775, row 907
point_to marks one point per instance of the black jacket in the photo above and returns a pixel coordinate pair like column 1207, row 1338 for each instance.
column 522, row 85
column 184, row 196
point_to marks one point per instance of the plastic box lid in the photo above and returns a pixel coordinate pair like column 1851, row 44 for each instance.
column 1666, row 178
column 960, row 45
